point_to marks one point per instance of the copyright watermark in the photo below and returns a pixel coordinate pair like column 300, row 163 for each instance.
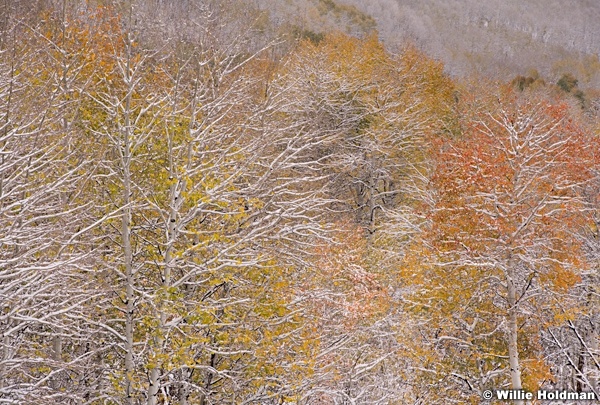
column 555, row 395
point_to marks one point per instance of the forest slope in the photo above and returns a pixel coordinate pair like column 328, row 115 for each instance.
column 505, row 37
column 501, row 39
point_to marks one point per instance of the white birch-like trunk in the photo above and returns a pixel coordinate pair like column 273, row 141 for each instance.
column 126, row 236
column 513, row 327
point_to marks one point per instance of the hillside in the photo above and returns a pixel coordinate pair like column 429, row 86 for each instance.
column 496, row 37
column 499, row 39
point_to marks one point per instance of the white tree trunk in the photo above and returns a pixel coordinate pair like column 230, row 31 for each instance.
column 126, row 235
column 513, row 330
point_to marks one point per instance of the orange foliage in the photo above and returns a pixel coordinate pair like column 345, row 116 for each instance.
column 341, row 266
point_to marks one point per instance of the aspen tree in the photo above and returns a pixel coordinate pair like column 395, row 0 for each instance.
column 43, row 288
column 508, row 194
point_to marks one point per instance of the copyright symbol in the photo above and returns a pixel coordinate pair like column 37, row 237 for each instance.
column 487, row 394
